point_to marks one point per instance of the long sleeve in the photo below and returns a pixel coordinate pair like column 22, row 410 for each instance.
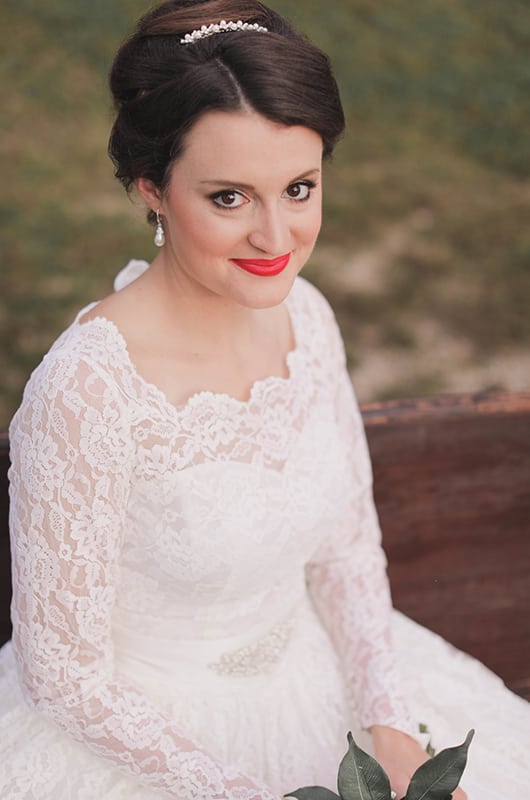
column 71, row 470
column 347, row 577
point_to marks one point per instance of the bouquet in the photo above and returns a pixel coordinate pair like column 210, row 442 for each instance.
column 361, row 777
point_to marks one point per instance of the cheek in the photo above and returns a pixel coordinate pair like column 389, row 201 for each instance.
column 220, row 237
column 312, row 224
column 198, row 229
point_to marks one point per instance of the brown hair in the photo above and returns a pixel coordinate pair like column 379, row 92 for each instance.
column 161, row 87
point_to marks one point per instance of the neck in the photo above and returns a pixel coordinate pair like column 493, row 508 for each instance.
column 214, row 323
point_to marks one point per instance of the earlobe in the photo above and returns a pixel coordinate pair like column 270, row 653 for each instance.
column 149, row 193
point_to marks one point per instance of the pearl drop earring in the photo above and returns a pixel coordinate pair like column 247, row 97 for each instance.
column 160, row 238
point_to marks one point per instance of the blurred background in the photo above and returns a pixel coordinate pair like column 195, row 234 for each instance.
column 425, row 248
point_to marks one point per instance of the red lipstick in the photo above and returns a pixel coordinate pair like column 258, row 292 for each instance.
column 264, row 267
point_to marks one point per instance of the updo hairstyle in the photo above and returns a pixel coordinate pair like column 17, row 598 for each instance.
column 161, row 87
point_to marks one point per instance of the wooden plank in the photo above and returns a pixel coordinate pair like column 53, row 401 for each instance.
column 452, row 487
column 487, row 403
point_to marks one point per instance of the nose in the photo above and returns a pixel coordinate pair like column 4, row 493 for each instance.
column 270, row 232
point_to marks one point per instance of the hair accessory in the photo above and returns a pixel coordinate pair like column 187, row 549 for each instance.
column 221, row 27
column 160, row 237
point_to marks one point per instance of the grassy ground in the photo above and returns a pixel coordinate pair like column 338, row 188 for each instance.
column 425, row 250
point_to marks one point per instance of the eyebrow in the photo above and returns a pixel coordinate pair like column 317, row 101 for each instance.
column 249, row 188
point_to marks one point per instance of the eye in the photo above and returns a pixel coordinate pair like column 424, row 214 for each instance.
column 300, row 191
column 228, row 198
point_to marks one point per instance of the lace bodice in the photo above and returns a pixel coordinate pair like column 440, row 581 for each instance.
column 134, row 520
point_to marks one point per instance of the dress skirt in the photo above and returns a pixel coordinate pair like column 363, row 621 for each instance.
column 287, row 728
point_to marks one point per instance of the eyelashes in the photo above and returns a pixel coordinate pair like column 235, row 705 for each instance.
column 300, row 191
column 230, row 199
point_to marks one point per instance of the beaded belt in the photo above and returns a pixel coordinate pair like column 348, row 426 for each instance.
column 259, row 657
column 139, row 652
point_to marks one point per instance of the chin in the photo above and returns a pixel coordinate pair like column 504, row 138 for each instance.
column 268, row 292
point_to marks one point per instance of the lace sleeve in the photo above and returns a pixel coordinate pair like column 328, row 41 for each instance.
column 71, row 468
column 347, row 577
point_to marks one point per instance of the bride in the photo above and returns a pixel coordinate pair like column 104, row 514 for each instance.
column 201, row 607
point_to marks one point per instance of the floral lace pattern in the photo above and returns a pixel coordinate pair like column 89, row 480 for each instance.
column 202, row 527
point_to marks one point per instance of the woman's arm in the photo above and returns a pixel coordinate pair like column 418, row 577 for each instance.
column 349, row 587
column 71, row 466
column 347, row 577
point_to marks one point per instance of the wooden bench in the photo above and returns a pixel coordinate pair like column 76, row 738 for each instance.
column 452, row 487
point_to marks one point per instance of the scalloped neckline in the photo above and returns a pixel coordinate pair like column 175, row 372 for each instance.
column 259, row 385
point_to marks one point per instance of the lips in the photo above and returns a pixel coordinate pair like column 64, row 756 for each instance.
column 264, row 267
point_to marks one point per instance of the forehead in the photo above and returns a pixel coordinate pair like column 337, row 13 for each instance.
column 245, row 145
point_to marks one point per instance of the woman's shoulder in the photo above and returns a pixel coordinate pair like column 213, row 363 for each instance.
column 314, row 313
column 84, row 367
column 95, row 342
column 76, row 398
column 92, row 341
column 307, row 297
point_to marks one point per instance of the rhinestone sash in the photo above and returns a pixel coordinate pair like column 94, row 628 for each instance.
column 260, row 656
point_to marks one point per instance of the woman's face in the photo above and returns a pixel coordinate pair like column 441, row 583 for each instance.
column 243, row 207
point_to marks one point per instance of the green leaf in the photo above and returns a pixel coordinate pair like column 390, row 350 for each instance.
column 438, row 778
column 313, row 793
column 361, row 777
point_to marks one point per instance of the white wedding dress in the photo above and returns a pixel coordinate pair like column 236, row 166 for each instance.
column 201, row 607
